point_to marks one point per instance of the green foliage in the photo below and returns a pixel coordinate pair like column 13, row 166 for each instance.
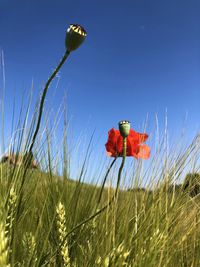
column 144, row 228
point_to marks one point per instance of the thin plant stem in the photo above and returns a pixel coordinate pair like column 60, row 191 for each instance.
column 104, row 181
column 65, row 56
column 122, row 164
column 28, row 156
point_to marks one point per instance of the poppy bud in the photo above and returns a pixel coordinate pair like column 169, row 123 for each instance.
column 124, row 128
column 74, row 37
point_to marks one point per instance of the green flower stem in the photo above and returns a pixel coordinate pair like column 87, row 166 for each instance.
column 122, row 164
column 104, row 181
column 27, row 159
column 119, row 173
column 115, row 195
column 65, row 56
column 104, row 207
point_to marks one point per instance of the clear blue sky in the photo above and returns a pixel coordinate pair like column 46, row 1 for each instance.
column 140, row 57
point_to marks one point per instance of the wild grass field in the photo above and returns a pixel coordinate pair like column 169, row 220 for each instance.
column 42, row 215
column 49, row 219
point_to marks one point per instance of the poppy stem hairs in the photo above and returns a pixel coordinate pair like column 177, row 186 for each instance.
column 75, row 36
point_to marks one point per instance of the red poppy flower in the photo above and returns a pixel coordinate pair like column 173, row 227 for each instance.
column 135, row 148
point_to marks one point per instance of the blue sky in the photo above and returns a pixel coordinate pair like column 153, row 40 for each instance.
column 140, row 57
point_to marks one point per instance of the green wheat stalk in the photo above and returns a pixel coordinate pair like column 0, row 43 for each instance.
column 61, row 228
column 4, row 253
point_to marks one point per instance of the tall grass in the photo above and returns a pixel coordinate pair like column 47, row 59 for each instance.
column 40, row 210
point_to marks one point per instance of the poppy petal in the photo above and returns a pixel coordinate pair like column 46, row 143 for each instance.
column 144, row 152
column 111, row 145
column 109, row 154
column 137, row 137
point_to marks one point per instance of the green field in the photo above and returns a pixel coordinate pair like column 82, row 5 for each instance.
column 158, row 227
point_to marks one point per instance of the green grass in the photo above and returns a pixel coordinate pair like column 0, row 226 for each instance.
column 141, row 228
column 40, row 211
